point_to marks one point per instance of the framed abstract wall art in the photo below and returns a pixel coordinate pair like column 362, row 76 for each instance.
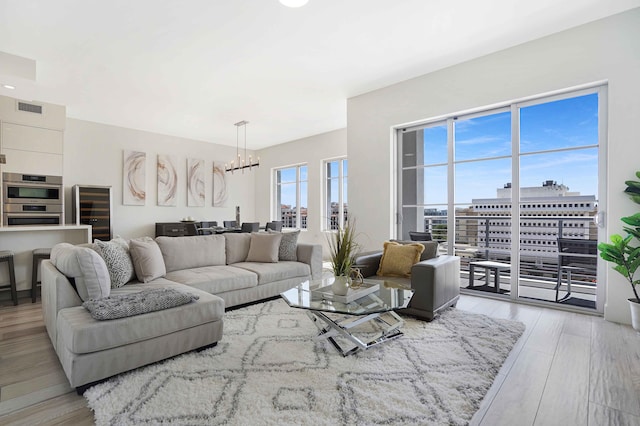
column 134, row 178
column 167, row 181
column 195, row 182
column 219, row 185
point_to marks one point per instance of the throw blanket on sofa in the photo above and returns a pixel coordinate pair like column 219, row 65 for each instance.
column 127, row 305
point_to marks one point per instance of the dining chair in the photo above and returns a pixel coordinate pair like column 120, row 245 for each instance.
column 204, row 227
column 250, row 227
column 275, row 225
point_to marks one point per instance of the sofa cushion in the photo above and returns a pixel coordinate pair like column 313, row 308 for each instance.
column 397, row 259
column 86, row 267
column 270, row 272
column 237, row 246
column 430, row 248
column 80, row 333
column 288, row 245
column 215, row 279
column 264, row 247
column 192, row 252
column 118, row 260
column 147, row 259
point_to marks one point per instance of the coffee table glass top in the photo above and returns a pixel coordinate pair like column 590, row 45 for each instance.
column 308, row 295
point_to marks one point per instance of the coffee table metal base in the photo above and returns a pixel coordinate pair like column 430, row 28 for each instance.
column 332, row 328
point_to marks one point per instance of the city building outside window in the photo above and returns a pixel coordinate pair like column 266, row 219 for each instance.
column 335, row 200
column 291, row 196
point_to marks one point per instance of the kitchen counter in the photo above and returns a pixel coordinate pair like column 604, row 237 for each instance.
column 23, row 239
column 47, row 228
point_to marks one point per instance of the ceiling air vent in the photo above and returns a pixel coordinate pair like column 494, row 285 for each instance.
column 36, row 109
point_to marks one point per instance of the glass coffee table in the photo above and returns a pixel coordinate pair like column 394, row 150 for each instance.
column 338, row 316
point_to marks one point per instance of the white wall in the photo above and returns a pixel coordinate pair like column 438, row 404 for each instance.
column 311, row 151
column 608, row 49
column 93, row 156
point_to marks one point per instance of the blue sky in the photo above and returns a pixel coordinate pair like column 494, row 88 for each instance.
column 567, row 123
column 288, row 185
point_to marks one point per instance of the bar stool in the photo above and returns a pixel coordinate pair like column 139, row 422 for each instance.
column 38, row 255
column 7, row 256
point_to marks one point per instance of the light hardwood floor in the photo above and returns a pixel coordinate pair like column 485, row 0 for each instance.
column 566, row 369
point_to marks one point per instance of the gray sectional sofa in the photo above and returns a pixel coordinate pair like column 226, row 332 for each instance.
column 221, row 270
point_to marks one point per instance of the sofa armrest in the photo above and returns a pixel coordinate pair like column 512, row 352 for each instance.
column 442, row 268
column 436, row 285
column 57, row 294
column 368, row 262
column 311, row 254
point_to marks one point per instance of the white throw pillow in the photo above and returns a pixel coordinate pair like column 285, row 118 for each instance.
column 147, row 259
column 86, row 267
column 264, row 247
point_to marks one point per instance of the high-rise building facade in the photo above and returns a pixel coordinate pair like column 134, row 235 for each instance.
column 547, row 213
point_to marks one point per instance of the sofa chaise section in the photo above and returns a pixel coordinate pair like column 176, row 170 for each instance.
column 91, row 350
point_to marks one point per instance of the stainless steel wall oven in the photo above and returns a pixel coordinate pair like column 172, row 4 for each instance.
column 32, row 199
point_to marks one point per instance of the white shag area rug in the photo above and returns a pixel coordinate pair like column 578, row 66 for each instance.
column 268, row 370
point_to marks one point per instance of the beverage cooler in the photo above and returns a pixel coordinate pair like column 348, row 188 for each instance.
column 92, row 205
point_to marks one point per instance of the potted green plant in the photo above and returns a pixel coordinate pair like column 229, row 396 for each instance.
column 624, row 254
column 342, row 251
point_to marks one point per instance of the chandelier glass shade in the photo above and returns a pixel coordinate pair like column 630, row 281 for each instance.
column 239, row 163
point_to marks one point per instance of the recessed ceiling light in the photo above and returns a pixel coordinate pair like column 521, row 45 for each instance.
column 294, row 3
column 8, row 86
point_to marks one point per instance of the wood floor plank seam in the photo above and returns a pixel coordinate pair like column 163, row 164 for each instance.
column 546, row 381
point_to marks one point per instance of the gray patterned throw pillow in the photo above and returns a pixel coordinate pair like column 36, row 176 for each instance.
column 288, row 245
column 118, row 261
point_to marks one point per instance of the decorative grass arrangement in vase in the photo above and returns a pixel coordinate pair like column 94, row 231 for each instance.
column 342, row 250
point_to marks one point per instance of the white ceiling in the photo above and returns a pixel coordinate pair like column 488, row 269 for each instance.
column 192, row 68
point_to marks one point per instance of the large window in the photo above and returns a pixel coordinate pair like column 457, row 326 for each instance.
column 539, row 161
column 335, row 201
column 291, row 196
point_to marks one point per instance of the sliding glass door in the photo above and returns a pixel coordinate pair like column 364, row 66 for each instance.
column 558, row 174
column 458, row 178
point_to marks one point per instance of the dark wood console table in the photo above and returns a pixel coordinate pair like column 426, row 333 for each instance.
column 175, row 229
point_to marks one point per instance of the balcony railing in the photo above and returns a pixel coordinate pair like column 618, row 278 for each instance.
column 489, row 238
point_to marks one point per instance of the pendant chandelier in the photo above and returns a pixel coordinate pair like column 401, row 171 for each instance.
column 239, row 163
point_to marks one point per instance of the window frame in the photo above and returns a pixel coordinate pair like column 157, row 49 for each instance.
column 326, row 202
column 515, row 106
column 277, row 205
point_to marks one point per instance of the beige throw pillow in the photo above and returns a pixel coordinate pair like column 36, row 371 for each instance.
column 147, row 259
column 264, row 247
column 397, row 259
